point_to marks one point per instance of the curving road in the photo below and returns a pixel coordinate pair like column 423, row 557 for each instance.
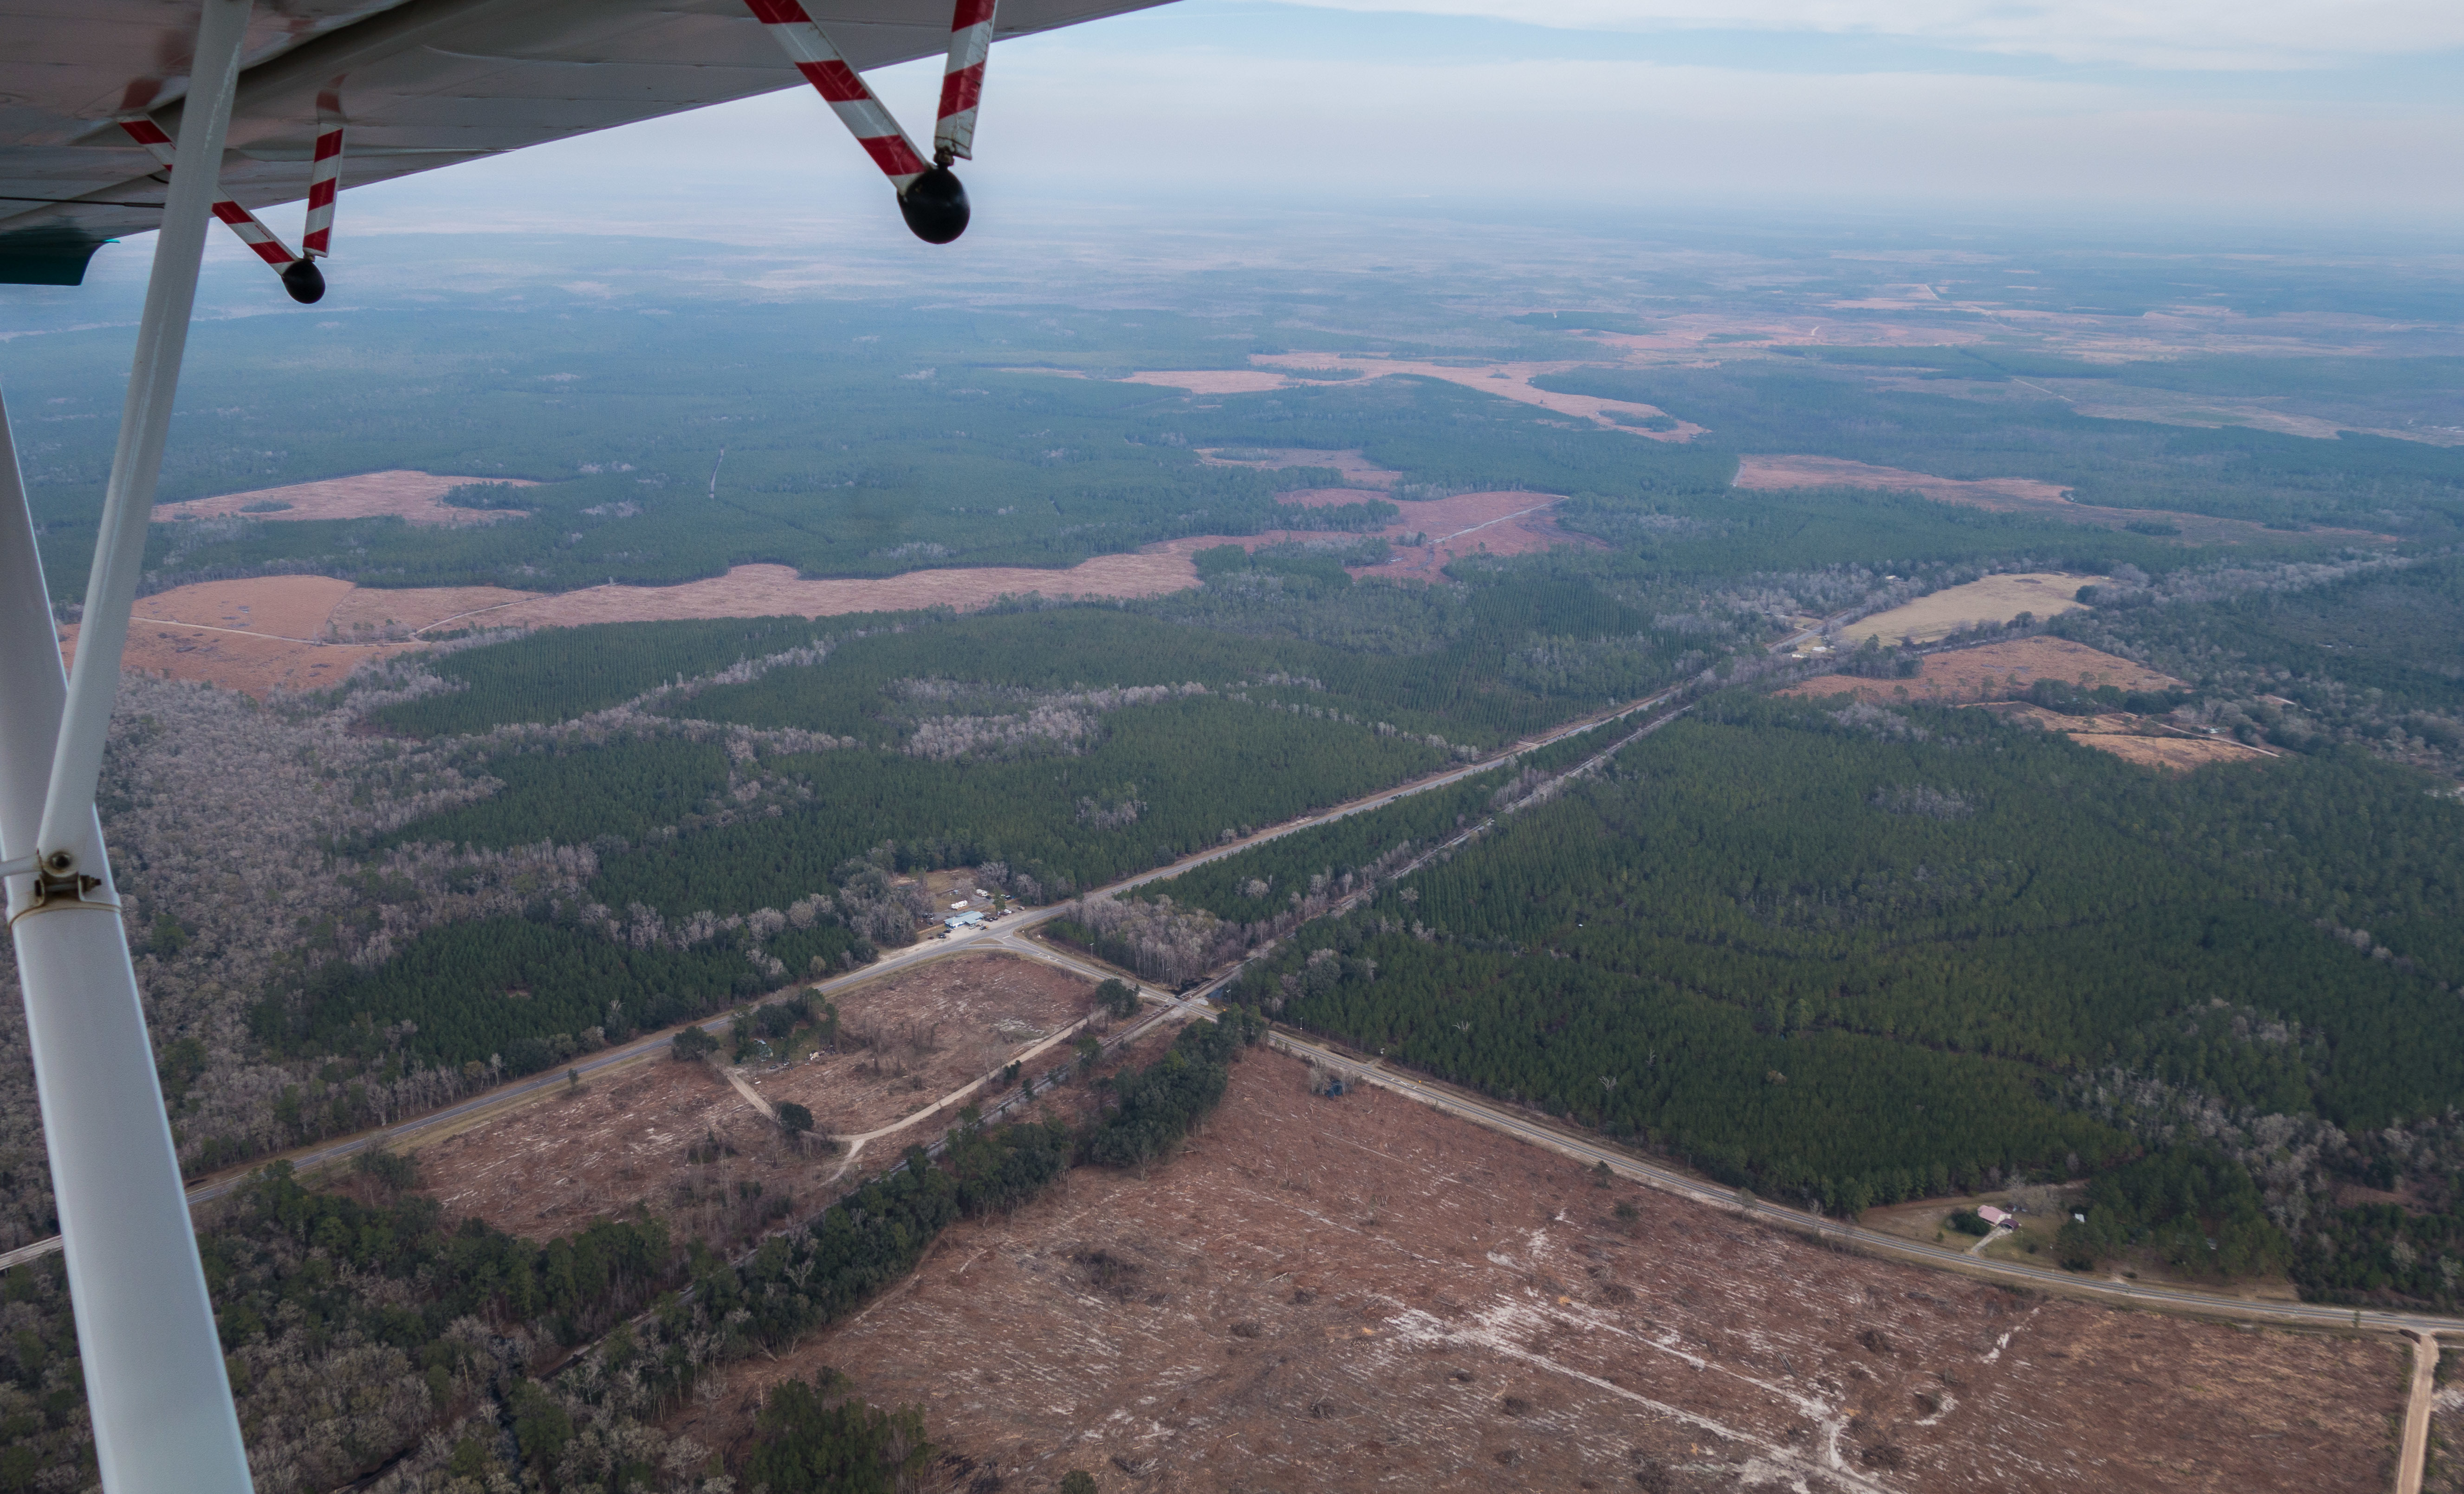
column 1569, row 1143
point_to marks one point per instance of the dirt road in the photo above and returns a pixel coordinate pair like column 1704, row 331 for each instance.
column 2414, row 1453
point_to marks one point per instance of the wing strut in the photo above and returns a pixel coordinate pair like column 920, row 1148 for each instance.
column 930, row 197
column 300, row 275
column 962, row 81
column 324, row 176
column 155, row 1383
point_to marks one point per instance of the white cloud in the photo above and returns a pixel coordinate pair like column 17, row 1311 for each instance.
column 2168, row 33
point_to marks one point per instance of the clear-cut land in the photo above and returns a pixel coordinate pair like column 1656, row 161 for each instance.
column 1357, row 1292
column 679, row 1141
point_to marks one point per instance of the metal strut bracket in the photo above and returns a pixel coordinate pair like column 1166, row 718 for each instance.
column 57, row 881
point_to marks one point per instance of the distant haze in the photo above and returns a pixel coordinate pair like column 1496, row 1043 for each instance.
column 2310, row 111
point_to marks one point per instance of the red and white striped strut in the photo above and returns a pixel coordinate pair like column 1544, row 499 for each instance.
column 244, row 223
column 845, row 90
column 324, row 176
column 962, row 81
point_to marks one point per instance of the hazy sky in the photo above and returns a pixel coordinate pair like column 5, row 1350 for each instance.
column 2311, row 109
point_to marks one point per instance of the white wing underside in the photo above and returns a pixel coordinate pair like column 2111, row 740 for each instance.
column 428, row 83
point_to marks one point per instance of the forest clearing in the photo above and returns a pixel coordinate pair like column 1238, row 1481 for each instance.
column 678, row 1140
column 2031, row 1237
column 413, row 497
column 308, row 632
column 1994, row 670
column 1511, row 381
column 184, row 645
column 1358, row 470
column 1759, row 473
column 1336, row 1292
column 1466, row 523
column 2003, row 495
column 1995, row 598
column 2137, row 739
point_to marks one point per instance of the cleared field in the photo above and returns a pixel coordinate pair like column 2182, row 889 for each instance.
column 1352, row 1293
column 415, row 497
column 778, row 591
column 1214, row 381
column 2136, row 738
column 1511, row 381
column 261, row 635
column 1358, row 470
column 1995, row 671
column 681, row 1141
column 1995, row 599
column 2001, row 496
column 241, row 649
column 1449, row 529
column 2008, row 494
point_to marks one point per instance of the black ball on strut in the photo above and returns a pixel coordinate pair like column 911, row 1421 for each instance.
column 935, row 206
column 306, row 282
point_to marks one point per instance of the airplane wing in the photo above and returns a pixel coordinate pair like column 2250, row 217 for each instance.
column 425, row 83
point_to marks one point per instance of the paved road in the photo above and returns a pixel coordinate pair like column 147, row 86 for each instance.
column 1008, row 935
column 1808, row 635
column 1586, row 1149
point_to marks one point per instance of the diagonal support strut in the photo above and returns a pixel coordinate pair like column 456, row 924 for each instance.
column 155, row 1383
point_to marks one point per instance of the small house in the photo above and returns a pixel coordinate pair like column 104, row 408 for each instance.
column 1996, row 1217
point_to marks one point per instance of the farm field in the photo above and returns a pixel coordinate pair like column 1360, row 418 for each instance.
column 1342, row 1293
column 1993, row 671
column 1995, row 599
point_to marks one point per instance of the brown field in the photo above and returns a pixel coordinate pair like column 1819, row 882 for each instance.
column 1995, row 598
column 2001, row 496
column 1340, row 1294
column 1506, row 381
column 413, row 496
column 776, row 591
column 1995, row 671
column 290, row 632
column 258, row 636
column 1214, row 381
column 2137, row 739
column 242, row 650
column 2005, row 495
column 620, row 1143
column 1467, row 523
